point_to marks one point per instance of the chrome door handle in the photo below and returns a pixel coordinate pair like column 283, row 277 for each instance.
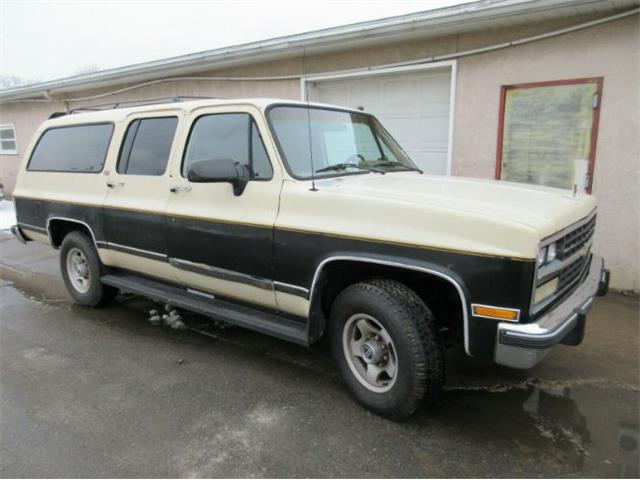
column 178, row 188
column 111, row 184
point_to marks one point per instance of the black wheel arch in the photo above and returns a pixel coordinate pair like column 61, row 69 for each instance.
column 440, row 288
column 59, row 227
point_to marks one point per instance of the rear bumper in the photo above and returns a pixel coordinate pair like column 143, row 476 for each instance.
column 524, row 345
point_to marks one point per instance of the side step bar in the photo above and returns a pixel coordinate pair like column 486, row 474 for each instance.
column 243, row 316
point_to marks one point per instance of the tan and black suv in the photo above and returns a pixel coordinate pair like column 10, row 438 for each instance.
column 306, row 221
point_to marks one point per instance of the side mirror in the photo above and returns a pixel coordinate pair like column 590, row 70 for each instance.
column 222, row 170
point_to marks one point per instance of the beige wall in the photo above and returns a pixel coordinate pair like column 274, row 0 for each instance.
column 609, row 50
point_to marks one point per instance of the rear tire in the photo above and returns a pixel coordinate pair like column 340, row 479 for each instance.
column 387, row 347
column 81, row 271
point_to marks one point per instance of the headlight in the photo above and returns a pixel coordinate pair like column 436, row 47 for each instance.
column 547, row 254
column 551, row 253
column 542, row 256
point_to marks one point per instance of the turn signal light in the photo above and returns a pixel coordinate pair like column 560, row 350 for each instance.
column 496, row 312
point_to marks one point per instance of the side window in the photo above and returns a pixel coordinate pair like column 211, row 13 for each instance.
column 232, row 136
column 77, row 148
column 146, row 146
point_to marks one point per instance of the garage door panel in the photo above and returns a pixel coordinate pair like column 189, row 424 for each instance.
column 440, row 109
column 413, row 106
column 432, row 162
column 401, row 92
column 404, row 129
column 363, row 93
column 435, row 90
column 434, row 129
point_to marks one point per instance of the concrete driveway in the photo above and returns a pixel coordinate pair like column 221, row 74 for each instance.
column 101, row 393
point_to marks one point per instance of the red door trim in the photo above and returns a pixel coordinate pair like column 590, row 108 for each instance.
column 594, row 126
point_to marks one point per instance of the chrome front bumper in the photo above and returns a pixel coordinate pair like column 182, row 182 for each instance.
column 523, row 345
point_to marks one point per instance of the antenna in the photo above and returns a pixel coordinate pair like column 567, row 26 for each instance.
column 306, row 96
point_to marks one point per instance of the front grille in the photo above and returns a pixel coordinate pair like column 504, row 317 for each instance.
column 572, row 261
column 571, row 273
column 576, row 239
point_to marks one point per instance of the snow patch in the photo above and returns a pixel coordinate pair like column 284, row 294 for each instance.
column 7, row 214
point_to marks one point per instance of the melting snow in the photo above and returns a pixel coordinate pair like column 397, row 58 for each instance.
column 7, row 214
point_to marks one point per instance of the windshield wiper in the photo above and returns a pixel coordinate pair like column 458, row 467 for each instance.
column 389, row 163
column 343, row 166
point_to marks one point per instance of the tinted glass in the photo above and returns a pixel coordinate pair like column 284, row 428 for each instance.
column 261, row 164
column 232, row 136
column 146, row 146
column 80, row 148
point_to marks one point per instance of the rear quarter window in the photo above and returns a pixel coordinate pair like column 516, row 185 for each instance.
column 77, row 148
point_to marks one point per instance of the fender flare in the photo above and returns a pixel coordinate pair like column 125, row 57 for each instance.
column 423, row 267
column 70, row 220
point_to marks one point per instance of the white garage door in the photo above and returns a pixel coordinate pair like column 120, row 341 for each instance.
column 414, row 107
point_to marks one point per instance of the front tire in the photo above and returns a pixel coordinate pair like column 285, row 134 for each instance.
column 81, row 271
column 387, row 347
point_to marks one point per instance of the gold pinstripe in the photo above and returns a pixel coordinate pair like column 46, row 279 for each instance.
column 295, row 229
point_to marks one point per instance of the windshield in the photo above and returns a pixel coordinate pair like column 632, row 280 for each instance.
column 335, row 142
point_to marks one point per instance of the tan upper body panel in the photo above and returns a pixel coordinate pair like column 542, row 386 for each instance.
column 452, row 213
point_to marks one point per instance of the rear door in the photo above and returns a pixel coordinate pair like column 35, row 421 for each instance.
column 138, row 190
column 218, row 242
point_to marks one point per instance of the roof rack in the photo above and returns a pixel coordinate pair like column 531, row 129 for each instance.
column 129, row 103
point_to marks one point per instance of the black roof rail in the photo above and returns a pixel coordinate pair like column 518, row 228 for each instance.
column 57, row 114
column 134, row 103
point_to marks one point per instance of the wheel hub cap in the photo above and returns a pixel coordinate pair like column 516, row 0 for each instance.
column 81, row 269
column 370, row 352
column 78, row 270
column 373, row 351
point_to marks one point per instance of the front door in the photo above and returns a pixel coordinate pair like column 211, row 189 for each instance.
column 138, row 190
column 218, row 242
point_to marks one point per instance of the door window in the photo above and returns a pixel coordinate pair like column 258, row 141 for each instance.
column 548, row 133
column 146, row 146
column 228, row 136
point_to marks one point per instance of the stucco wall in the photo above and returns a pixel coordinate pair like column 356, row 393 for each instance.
column 609, row 50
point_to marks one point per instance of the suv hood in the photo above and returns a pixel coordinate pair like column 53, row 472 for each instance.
column 546, row 210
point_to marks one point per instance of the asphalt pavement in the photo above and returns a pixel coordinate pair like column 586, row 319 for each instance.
column 102, row 393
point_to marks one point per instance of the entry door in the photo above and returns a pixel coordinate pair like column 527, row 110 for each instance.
column 218, row 242
column 413, row 106
column 134, row 222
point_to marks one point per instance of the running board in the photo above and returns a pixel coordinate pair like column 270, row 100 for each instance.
column 243, row 316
